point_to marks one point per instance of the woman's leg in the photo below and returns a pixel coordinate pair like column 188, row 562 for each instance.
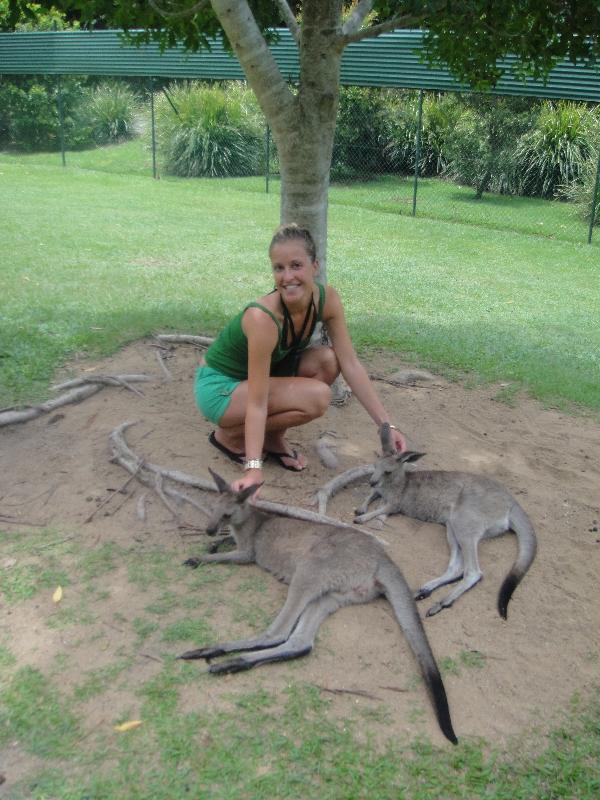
column 293, row 401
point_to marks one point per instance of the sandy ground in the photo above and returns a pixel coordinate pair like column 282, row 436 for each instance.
column 56, row 470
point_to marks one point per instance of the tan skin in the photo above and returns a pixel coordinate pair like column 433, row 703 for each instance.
column 264, row 407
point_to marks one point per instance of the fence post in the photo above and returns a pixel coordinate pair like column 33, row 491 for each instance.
column 267, row 157
column 417, row 153
column 151, row 85
column 61, row 119
column 594, row 200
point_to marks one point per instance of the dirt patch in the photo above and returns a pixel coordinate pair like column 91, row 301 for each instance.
column 502, row 677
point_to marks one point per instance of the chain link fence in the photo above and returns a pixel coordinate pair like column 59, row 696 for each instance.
column 514, row 164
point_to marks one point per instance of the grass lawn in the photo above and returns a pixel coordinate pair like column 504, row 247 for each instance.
column 102, row 256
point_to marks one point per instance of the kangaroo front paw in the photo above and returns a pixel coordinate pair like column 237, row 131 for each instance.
column 422, row 593
column 192, row 562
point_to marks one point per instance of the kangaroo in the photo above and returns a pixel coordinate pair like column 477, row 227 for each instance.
column 326, row 568
column 472, row 507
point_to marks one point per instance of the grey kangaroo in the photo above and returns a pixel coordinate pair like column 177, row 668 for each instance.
column 472, row 507
column 326, row 568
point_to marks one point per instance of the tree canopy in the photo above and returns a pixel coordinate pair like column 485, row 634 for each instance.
column 470, row 36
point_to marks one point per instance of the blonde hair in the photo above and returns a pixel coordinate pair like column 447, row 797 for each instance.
column 290, row 232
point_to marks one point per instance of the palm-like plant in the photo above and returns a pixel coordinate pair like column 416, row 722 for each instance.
column 213, row 132
column 553, row 154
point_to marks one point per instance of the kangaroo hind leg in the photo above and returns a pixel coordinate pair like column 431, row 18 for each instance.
column 468, row 538
column 454, row 570
column 300, row 643
column 277, row 632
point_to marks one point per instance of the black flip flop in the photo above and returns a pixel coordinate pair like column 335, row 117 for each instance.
column 239, row 458
column 278, row 457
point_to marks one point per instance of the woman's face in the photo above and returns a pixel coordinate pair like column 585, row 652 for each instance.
column 293, row 270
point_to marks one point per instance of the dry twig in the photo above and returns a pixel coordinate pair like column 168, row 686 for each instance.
column 357, row 692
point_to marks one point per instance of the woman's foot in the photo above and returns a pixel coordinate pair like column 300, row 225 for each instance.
column 231, row 449
column 279, row 450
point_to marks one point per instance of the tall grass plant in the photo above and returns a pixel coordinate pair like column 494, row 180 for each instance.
column 210, row 131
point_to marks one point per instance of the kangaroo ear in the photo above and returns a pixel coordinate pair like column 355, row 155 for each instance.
column 409, row 455
column 248, row 492
column 385, row 434
column 222, row 485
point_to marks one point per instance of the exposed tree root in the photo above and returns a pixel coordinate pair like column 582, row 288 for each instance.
column 79, row 389
column 159, row 480
column 184, row 338
column 353, row 475
column 405, row 377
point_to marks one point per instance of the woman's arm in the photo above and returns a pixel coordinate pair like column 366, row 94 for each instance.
column 262, row 334
column 353, row 371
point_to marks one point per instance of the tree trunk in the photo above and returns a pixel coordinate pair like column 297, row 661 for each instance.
column 302, row 123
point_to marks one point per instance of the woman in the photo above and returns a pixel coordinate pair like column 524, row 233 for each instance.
column 260, row 377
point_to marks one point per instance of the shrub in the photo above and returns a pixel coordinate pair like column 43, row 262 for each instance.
column 480, row 148
column 581, row 192
column 215, row 131
column 30, row 119
column 440, row 115
column 552, row 156
column 360, row 136
column 108, row 112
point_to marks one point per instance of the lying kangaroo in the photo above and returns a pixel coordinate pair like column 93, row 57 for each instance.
column 472, row 507
column 326, row 568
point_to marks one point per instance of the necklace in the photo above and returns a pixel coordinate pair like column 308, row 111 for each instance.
column 288, row 325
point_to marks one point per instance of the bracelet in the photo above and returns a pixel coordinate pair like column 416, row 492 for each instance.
column 393, row 427
column 253, row 463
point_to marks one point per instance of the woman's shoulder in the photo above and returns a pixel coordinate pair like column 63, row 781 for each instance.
column 332, row 302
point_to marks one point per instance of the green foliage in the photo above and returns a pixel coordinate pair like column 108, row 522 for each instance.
column 554, row 153
column 480, row 146
column 210, row 131
column 581, row 193
column 29, row 115
column 360, row 136
column 439, row 118
column 108, row 111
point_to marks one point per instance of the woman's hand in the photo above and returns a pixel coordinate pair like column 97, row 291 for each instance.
column 251, row 478
column 398, row 439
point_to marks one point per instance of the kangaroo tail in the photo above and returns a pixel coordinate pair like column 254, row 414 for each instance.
column 400, row 598
column 520, row 523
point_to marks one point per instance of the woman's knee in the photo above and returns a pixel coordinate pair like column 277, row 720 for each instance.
column 320, row 363
column 320, row 398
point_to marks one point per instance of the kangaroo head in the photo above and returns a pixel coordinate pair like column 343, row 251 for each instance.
column 231, row 507
column 391, row 462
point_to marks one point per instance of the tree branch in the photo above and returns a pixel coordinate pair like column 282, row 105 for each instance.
column 290, row 19
column 359, row 13
column 188, row 12
column 262, row 72
column 392, row 24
